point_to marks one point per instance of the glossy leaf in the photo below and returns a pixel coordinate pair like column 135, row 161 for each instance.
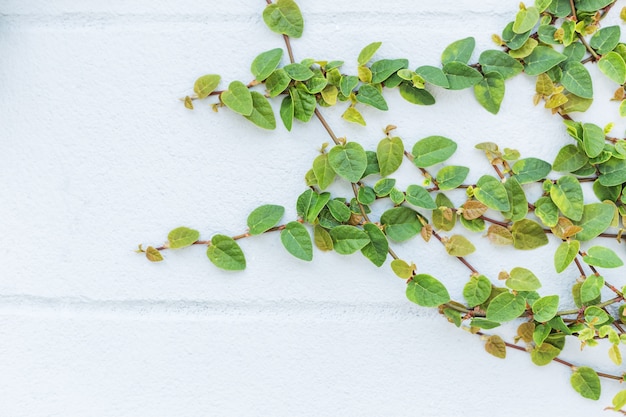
column 284, row 17
column 225, row 253
column 238, row 98
column 401, row 223
column 296, row 239
column 451, row 177
column 427, row 291
column 182, row 237
column 432, row 150
column 264, row 218
column 265, row 63
column 565, row 254
column 206, row 84
column 602, row 257
column 458, row 51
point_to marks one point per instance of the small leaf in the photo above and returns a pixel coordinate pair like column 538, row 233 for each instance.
column 368, row 94
column 613, row 66
column 427, row 291
column 528, row 234
column 545, row 308
column 418, row 196
column 522, row 279
column 619, row 401
column 473, row 209
column 349, row 161
column 459, row 51
column 567, row 194
column 433, row 75
column 496, row 346
column 458, row 245
column 238, row 98
column 505, row 307
column 322, row 238
column 284, row 17
column 265, row 63
column 389, row 152
column 298, row 72
column 383, row 69
column 432, row 150
column 489, row 92
column 277, row 82
column 376, row 249
column 303, row 103
column 565, row 254
column 368, row 52
column 477, row 290
column 324, row 172
column 225, row 253
column 286, row 112
column 416, row 95
column 525, row 20
column 402, row 269
column 499, row 235
column 262, row 114
column 348, row 239
column 602, row 257
column 182, row 237
column 206, row 84
column 347, row 84
column 586, row 382
column 264, row 218
column 296, row 239
column 401, row 223
column 544, row 354
column 352, row 115
column 591, row 288
column 153, row 254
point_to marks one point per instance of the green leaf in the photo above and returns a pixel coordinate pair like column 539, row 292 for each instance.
column 416, row 95
column 347, row 84
column 613, row 66
column 586, row 382
column 477, row 290
column 542, row 59
column 529, row 170
column 544, row 354
column 322, row 238
column 545, row 308
column 318, row 202
column 262, row 114
column 432, row 150
column 433, row 75
column 576, row 79
column 182, row 237
column 517, row 200
column 352, row 115
column 591, row 288
column 489, row 91
column 613, row 172
column 296, row 239
column 525, row 50
column 402, row 269
column 238, row 98
column 528, row 234
column 401, row 223
column 349, row 161
column 606, row 39
column 595, row 315
column 546, row 34
column 522, row 279
column 483, row 323
column 383, row 69
column 324, row 173
column 602, row 257
column 597, row 217
column 541, row 5
column 593, row 139
column 461, row 76
column 368, row 94
column 298, row 72
column 284, row 17
column 153, row 254
column 368, row 52
column 525, row 20
column 384, row 186
column 606, row 193
column 500, row 62
column 366, row 195
column 591, row 5
column 451, row 177
column 376, row 249
column 505, row 307
column 206, row 84
column 303, row 103
column 277, row 82
column 458, row 245
column 264, row 218
column 390, row 152
column 560, row 8
column 348, row 239
column 459, row 51
column 339, row 210
column 492, row 193
column 286, row 112
column 619, row 401
column 547, row 211
column 265, row 63
column 226, row 254
column 305, row 201
column 565, row 254
column 514, row 40
column 569, row 159
column 418, row 196
column 567, row 194
column 427, row 291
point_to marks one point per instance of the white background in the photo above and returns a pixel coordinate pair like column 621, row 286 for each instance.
column 99, row 155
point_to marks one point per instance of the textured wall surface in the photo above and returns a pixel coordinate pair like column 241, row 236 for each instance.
column 99, row 155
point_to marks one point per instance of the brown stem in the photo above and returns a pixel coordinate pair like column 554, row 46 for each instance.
column 289, row 50
column 571, row 2
column 593, row 53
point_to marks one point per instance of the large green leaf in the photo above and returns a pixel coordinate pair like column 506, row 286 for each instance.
column 522, row 279
column 238, row 98
column 492, row 193
column 458, row 51
column 612, row 172
column 182, row 237
column 545, row 308
column 489, row 91
column 451, row 177
column 530, row 170
column 593, row 139
column 596, row 218
column 226, row 254
column 324, row 172
column 368, row 94
column 262, row 114
column 432, row 150
column 602, row 257
column 461, row 76
column 591, row 288
column 420, row 197
column 569, row 159
column 383, row 69
column 348, row 239
column 339, row 210
column 347, row 84
column 477, row 290
column 390, row 152
column 277, row 82
column 376, row 249
column 586, row 382
column 416, row 95
column 567, row 194
column 265, row 63
column 565, row 254
column 298, row 72
column 284, row 17
column 542, row 59
column 577, row 80
column 517, row 200
column 606, row 39
column 506, row 307
column 433, row 75
column 401, row 223
column 297, row 240
column 497, row 61
column 264, row 218
column 591, row 5
column 427, row 291
column 349, row 161
column 303, row 103
column 528, row 234
column 613, row 66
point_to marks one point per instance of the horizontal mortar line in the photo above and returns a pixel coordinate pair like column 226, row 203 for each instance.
column 287, row 310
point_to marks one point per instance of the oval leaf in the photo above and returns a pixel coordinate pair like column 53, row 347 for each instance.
column 182, row 237
column 427, row 291
column 264, row 218
column 226, row 254
column 296, row 239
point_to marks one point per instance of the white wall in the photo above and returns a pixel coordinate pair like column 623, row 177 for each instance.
column 99, row 155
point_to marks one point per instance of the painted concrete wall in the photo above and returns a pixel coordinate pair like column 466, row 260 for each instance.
column 99, row 155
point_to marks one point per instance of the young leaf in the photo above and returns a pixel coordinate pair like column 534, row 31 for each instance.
column 376, row 249
column 545, row 308
column 349, row 161
column 496, row 346
column 586, row 382
column 225, row 253
column 458, row 245
column 264, row 218
column 296, row 239
column 458, row 51
column 565, row 254
column 352, row 115
column 525, row 20
column 284, row 17
column 619, row 401
column 477, row 290
column 522, row 279
column 544, row 353
column 205, row 85
column 528, row 234
column 506, row 307
column 432, row 150
column 602, row 257
column 348, row 239
column 499, row 235
column 427, row 291
column 368, row 52
column 451, row 177
column 262, row 114
column 153, row 255
column 489, row 92
column 238, row 98
column 390, row 152
column 182, row 237
column 401, row 223
column 492, row 193
column 402, row 269
column 286, row 112
column 265, row 63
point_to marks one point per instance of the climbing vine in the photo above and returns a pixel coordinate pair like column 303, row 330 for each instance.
column 553, row 41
